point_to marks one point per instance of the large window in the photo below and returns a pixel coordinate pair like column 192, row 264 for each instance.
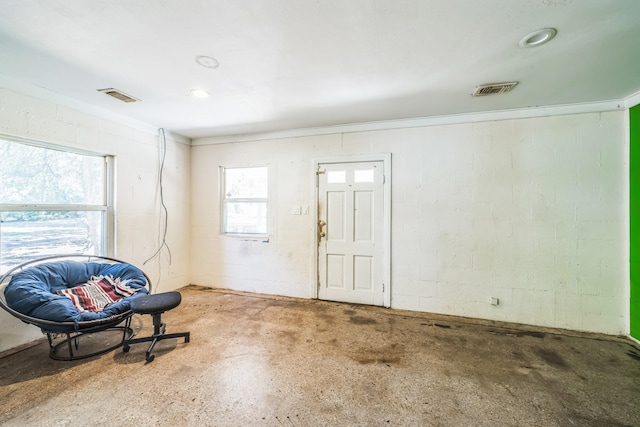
column 52, row 202
column 244, row 200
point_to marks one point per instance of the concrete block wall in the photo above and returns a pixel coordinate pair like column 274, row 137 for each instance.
column 138, row 214
column 530, row 211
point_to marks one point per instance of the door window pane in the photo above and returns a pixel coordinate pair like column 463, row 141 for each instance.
column 363, row 175
column 336, row 177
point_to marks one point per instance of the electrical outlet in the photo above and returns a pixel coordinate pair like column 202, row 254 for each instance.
column 494, row 300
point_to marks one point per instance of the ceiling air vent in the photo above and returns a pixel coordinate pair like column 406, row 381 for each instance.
column 115, row 93
column 494, row 88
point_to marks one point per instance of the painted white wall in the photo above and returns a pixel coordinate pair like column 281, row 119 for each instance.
column 138, row 220
column 531, row 211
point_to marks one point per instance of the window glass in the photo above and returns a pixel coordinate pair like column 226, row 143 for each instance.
column 245, row 200
column 245, row 183
column 31, row 174
column 246, row 217
column 336, row 177
column 51, row 203
column 363, row 175
column 32, row 235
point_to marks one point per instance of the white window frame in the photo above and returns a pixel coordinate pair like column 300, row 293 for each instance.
column 107, row 207
column 224, row 200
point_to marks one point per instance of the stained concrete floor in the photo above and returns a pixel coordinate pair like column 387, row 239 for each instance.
column 262, row 360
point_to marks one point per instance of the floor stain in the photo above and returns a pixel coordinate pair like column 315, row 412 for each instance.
column 384, row 360
column 290, row 337
column 387, row 355
column 359, row 320
column 531, row 334
column 517, row 334
column 552, row 358
column 327, row 318
column 634, row 355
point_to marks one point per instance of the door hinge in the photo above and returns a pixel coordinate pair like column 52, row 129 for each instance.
column 383, row 287
column 318, row 173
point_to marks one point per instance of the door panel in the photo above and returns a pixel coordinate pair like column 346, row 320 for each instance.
column 351, row 210
column 363, row 272
column 336, row 215
column 363, row 216
column 335, row 271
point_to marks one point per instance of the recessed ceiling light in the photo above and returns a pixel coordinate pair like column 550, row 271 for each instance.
column 538, row 38
column 200, row 93
column 207, row 61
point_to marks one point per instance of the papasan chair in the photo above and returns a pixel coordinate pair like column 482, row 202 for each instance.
column 70, row 296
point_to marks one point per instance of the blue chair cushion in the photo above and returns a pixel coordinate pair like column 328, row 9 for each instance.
column 32, row 291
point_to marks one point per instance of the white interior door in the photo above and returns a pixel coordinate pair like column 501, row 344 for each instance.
column 350, row 232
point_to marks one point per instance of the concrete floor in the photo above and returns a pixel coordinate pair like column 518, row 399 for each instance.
column 261, row 360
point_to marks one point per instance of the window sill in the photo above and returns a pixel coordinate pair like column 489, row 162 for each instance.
column 248, row 237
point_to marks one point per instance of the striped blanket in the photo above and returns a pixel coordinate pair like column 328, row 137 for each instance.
column 98, row 293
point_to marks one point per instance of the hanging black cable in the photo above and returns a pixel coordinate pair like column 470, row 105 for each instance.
column 163, row 141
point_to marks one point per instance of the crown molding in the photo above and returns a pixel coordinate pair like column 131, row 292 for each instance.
column 632, row 100
column 521, row 113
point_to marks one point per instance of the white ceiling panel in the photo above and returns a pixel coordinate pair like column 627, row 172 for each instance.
column 289, row 64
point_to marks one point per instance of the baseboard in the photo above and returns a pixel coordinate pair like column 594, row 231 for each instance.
column 21, row 347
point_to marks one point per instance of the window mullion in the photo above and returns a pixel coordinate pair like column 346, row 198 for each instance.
column 10, row 207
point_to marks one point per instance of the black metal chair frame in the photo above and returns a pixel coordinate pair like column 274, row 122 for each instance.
column 72, row 330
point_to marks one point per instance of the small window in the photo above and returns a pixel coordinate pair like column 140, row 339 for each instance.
column 245, row 200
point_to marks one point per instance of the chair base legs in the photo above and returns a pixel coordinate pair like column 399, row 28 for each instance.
column 158, row 335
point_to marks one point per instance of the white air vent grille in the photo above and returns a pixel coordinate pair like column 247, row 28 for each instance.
column 121, row 96
column 493, row 88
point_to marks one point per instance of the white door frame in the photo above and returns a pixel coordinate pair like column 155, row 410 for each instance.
column 385, row 158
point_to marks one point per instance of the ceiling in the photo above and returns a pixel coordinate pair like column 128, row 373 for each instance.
column 291, row 64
